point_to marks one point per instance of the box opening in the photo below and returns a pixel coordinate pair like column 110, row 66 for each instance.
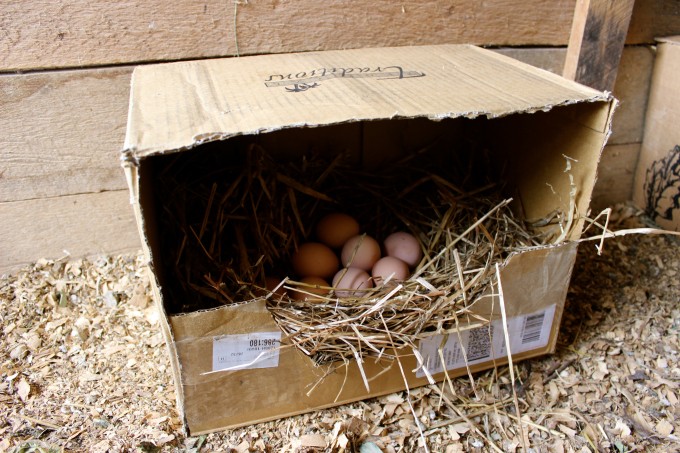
column 470, row 153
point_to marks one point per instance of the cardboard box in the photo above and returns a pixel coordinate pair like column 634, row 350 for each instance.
column 377, row 103
column 657, row 178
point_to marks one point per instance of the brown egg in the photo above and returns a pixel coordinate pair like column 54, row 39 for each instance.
column 391, row 268
column 271, row 283
column 404, row 246
column 361, row 251
column 314, row 259
column 349, row 281
column 336, row 228
column 317, row 285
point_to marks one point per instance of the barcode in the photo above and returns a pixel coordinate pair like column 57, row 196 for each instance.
column 533, row 326
column 526, row 332
column 479, row 343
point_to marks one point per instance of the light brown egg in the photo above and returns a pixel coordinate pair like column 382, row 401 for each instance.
column 272, row 283
column 404, row 246
column 389, row 267
column 317, row 286
column 336, row 228
column 361, row 251
column 314, row 259
column 350, row 281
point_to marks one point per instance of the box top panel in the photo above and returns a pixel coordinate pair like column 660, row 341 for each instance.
column 177, row 106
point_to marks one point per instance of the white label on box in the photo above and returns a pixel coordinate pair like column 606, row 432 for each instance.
column 246, row 351
column 526, row 332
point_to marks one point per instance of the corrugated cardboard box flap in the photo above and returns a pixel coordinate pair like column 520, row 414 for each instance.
column 177, row 106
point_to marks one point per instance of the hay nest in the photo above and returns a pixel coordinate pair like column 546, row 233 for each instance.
column 229, row 223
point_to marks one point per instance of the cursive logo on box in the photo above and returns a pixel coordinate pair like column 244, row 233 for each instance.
column 306, row 80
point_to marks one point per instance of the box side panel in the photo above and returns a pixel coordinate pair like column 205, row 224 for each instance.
column 657, row 187
column 539, row 279
column 231, row 398
column 550, row 154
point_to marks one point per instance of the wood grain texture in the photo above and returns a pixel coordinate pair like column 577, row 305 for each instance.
column 80, row 225
column 62, row 132
column 71, row 33
column 615, row 175
column 653, row 19
column 598, row 35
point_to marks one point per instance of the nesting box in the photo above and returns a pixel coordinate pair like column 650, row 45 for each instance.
column 232, row 364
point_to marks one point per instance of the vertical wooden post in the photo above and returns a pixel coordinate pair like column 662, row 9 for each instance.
column 598, row 35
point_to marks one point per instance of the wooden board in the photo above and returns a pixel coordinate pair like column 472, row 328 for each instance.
column 548, row 58
column 597, row 38
column 69, row 33
column 101, row 32
column 80, row 225
column 653, row 19
column 62, row 132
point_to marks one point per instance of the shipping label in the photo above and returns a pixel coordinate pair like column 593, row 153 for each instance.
column 246, row 351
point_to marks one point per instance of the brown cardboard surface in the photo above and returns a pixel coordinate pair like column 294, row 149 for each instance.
column 657, row 184
column 379, row 104
column 177, row 105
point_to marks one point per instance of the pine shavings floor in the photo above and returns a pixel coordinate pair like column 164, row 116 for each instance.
column 83, row 367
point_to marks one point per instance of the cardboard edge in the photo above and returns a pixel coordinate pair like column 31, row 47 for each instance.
column 134, row 154
column 131, row 170
column 582, row 217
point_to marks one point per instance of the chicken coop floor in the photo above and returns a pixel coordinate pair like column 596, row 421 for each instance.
column 83, row 367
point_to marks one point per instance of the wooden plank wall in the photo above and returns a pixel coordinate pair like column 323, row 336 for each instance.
column 64, row 82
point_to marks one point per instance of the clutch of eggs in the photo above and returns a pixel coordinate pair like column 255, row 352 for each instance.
column 352, row 260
